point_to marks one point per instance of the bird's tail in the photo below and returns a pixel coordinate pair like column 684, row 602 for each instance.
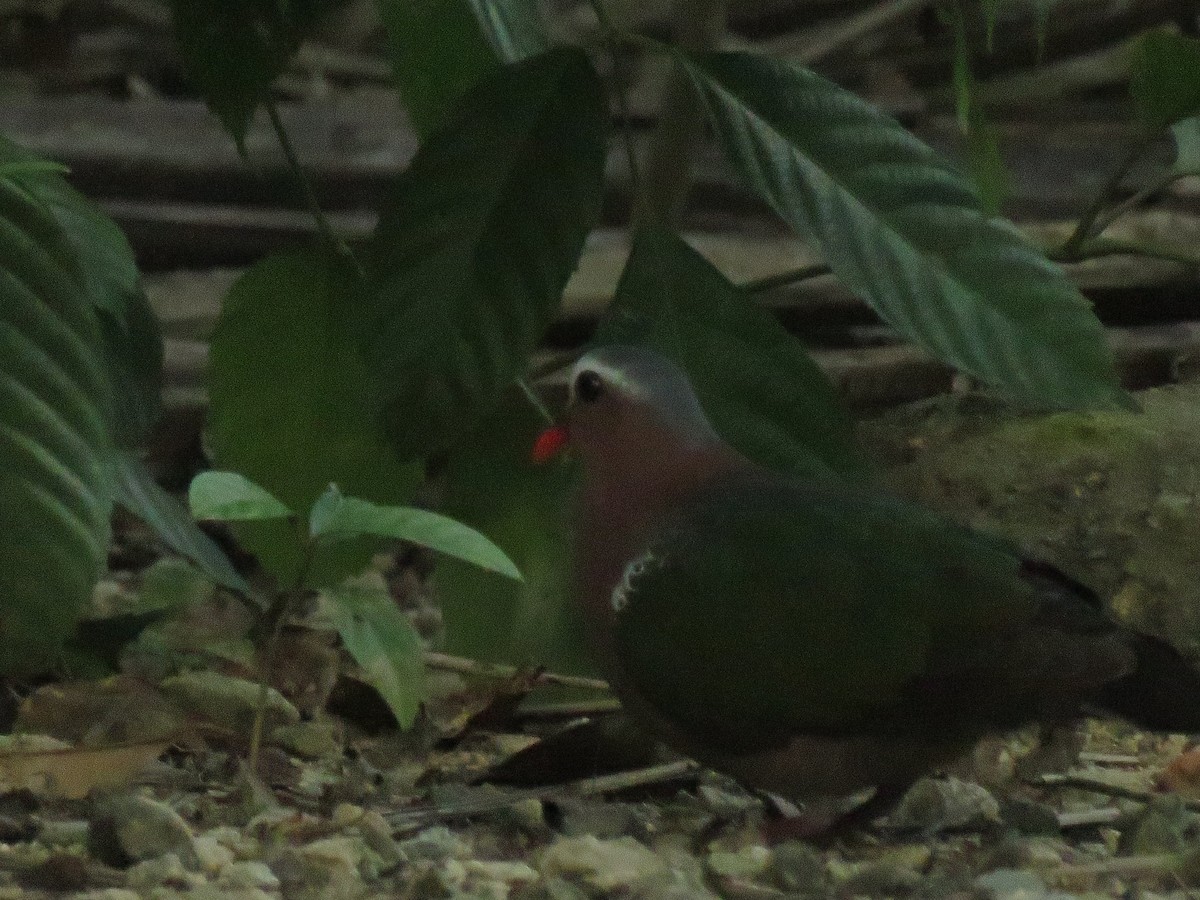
column 1162, row 693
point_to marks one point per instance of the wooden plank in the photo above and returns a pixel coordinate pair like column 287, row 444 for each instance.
column 353, row 145
column 1126, row 290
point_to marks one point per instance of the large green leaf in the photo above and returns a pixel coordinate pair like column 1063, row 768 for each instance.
column 438, row 53
column 491, row 484
column 232, row 51
column 55, row 441
column 513, row 27
column 139, row 493
column 132, row 340
column 906, row 232
column 337, row 517
column 382, row 641
column 478, row 241
column 290, row 409
column 755, row 381
column 1166, row 78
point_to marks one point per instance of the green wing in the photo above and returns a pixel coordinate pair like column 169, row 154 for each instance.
column 766, row 608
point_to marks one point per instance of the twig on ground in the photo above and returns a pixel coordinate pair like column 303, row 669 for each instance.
column 463, row 666
column 1080, row 782
column 588, row 787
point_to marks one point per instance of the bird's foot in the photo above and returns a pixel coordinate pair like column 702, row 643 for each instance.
column 824, row 822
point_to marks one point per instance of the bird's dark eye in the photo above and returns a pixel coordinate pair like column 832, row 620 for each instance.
column 588, row 387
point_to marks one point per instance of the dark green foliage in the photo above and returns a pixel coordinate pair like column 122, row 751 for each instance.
column 56, row 439
column 438, row 53
column 491, row 484
column 234, row 49
column 379, row 637
column 131, row 339
column 290, row 405
column 476, row 244
column 756, row 382
column 1166, row 78
column 906, row 232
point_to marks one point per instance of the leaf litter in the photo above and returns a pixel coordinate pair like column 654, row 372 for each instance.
column 134, row 785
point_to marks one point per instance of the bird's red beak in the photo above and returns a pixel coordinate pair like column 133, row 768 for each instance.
column 549, row 444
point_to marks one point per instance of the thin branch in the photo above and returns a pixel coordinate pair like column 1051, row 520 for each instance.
column 770, row 282
column 503, row 799
column 334, row 242
column 1087, row 222
column 447, row 663
column 1160, row 184
column 1098, row 786
column 535, row 401
column 580, row 710
column 1100, row 246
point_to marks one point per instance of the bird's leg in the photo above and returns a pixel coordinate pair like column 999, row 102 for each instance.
column 1057, row 749
column 823, row 822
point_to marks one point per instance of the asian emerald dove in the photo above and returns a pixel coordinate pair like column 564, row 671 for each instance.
column 814, row 638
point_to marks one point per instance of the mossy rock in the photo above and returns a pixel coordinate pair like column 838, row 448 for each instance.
column 1113, row 498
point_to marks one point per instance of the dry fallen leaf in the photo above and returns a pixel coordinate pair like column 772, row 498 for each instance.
column 74, row 772
column 1182, row 775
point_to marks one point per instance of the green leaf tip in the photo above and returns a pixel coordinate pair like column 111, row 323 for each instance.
column 230, row 497
column 336, row 517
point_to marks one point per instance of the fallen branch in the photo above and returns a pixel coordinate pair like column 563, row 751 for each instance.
column 446, row 663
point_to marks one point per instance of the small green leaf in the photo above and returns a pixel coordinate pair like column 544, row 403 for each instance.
column 138, row 492
column 1187, row 146
column 335, row 516
column 491, row 484
column 755, row 381
column 513, row 27
column 906, row 232
column 232, row 51
column 1166, row 78
column 290, row 406
column 438, row 53
column 381, row 640
column 230, row 497
column 474, row 249
column 55, row 435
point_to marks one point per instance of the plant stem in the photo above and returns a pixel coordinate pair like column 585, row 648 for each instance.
column 770, row 282
column 535, row 401
column 1160, row 184
column 613, row 43
column 697, row 25
column 1097, row 247
column 1087, row 221
column 330, row 237
column 280, row 610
